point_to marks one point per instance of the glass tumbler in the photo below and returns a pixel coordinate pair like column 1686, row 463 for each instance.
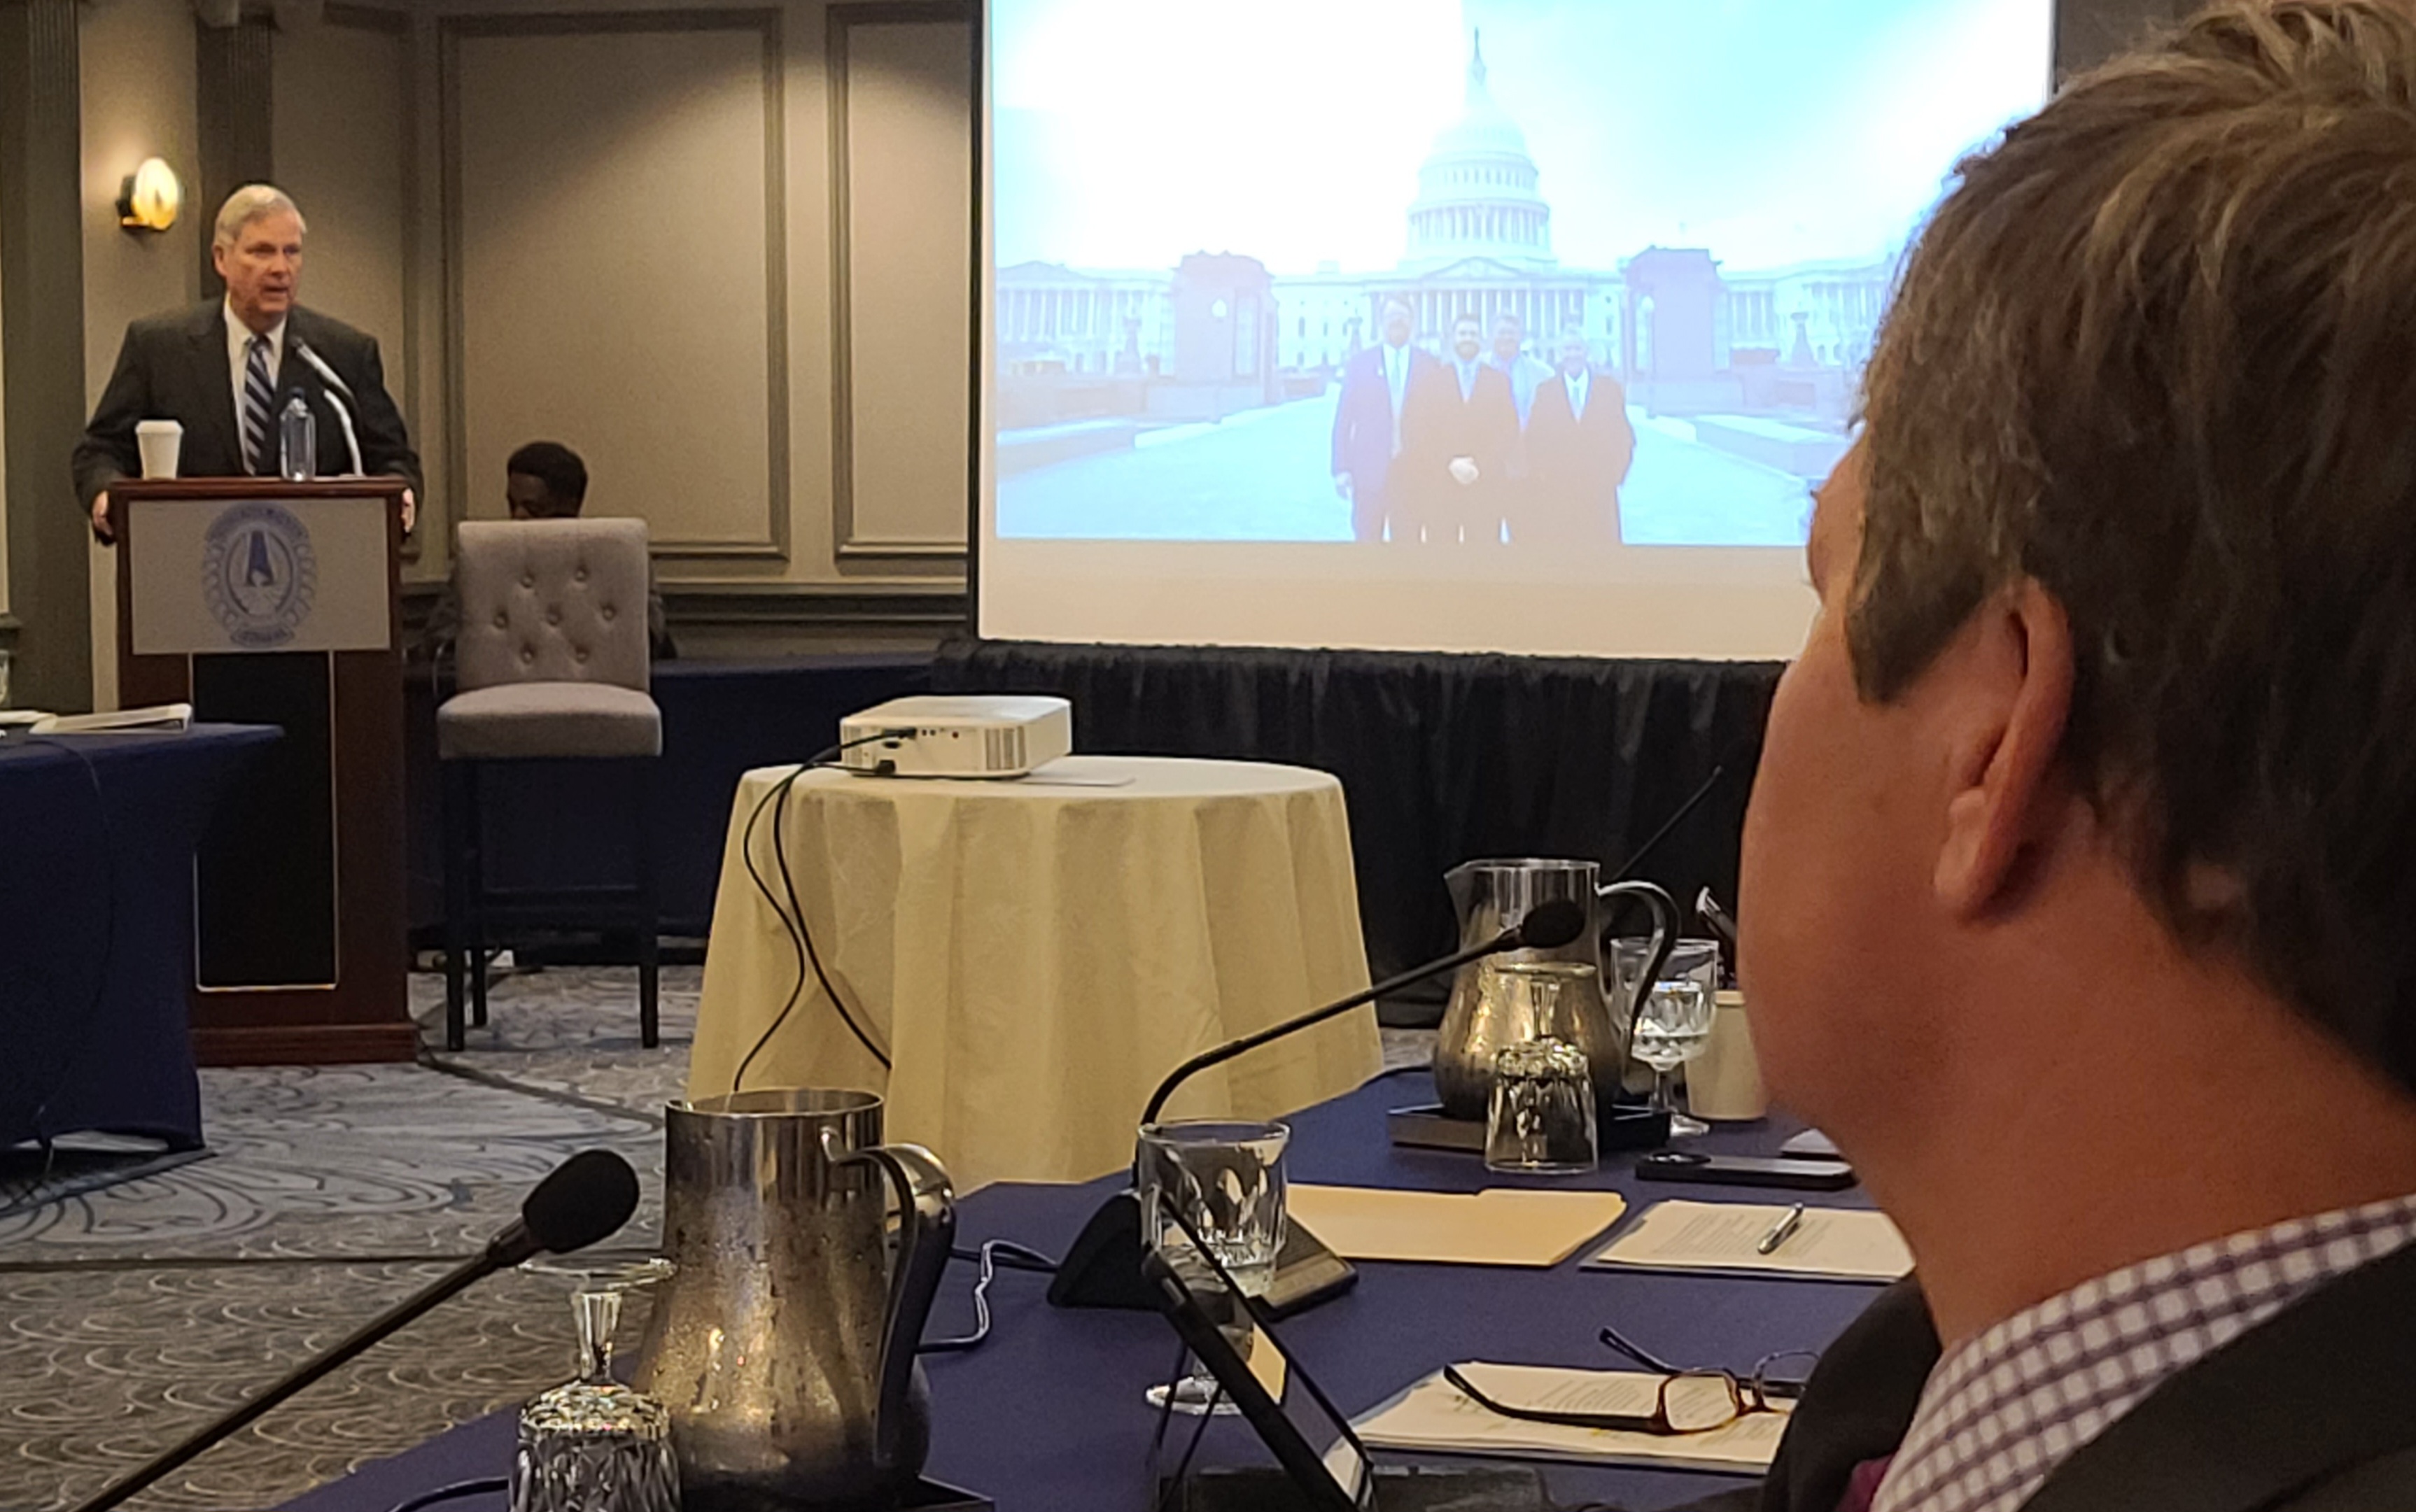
column 1541, row 1118
column 594, row 1445
column 1227, row 1180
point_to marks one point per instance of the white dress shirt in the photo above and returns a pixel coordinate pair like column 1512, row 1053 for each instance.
column 1578, row 382
column 1396, row 382
column 238, row 337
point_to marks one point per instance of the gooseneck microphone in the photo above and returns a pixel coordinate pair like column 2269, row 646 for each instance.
column 1549, row 924
column 1102, row 1267
column 585, row 1199
column 335, row 385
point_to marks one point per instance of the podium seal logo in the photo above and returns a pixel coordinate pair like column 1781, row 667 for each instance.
column 259, row 574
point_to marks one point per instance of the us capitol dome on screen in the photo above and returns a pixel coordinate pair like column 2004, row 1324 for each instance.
column 1682, row 333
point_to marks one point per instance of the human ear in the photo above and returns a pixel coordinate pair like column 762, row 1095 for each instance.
column 2004, row 692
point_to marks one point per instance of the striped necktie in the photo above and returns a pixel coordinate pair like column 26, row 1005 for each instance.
column 258, row 395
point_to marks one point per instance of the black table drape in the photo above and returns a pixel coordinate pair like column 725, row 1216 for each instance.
column 1443, row 758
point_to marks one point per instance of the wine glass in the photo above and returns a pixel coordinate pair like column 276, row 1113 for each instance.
column 1671, row 1025
column 1227, row 1180
column 593, row 1445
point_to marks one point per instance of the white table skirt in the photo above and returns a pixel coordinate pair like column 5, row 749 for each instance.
column 1034, row 956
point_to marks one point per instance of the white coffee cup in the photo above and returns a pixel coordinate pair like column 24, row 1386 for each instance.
column 160, row 441
column 1723, row 1082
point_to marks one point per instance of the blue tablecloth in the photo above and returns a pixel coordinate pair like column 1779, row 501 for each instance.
column 1048, row 1415
column 96, row 837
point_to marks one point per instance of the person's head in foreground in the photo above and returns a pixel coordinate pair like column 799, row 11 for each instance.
column 544, row 480
column 2079, row 888
column 1397, row 322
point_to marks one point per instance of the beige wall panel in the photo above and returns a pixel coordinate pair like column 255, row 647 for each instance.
column 907, row 103
column 616, row 231
column 138, row 82
column 343, row 145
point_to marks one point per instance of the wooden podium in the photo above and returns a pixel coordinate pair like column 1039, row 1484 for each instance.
column 264, row 601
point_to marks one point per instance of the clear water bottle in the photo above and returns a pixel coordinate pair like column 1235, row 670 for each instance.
column 298, row 432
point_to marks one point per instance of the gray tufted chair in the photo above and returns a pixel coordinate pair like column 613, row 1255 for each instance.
column 551, row 663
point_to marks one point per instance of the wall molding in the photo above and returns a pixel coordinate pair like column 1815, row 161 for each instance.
column 841, row 20
column 769, row 26
column 772, row 606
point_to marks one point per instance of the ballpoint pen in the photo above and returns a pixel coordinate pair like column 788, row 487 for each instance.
column 1781, row 1231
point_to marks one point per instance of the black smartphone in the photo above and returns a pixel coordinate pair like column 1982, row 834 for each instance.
column 1745, row 1171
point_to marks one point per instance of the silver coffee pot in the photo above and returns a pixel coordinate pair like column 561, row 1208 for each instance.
column 783, row 1345
column 1561, row 993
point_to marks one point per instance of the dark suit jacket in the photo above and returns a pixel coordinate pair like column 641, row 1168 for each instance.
column 1575, row 465
column 2306, row 1413
column 1437, row 424
column 174, row 367
column 1363, row 417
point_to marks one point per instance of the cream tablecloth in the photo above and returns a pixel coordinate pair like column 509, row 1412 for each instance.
column 1035, row 956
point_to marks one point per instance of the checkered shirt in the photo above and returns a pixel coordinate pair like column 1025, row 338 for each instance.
column 2003, row 1409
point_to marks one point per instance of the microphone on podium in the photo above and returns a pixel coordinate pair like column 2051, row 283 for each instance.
column 582, row 1200
column 1102, row 1269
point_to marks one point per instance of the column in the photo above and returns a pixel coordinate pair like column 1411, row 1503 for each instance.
column 42, row 342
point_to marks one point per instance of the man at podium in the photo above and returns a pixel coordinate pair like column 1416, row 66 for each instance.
column 226, row 370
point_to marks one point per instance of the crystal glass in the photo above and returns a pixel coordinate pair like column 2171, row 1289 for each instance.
column 1672, row 1025
column 1227, row 1179
column 594, row 1445
column 1541, row 1118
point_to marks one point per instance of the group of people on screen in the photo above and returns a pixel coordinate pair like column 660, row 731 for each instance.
column 1483, row 445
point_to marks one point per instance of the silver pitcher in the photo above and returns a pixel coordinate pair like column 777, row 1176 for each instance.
column 1497, row 1002
column 784, row 1344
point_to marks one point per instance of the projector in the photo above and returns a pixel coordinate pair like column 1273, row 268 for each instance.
column 980, row 736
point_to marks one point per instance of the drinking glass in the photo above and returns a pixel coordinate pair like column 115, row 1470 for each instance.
column 1227, row 1180
column 594, row 1445
column 1672, row 1025
column 1541, row 1118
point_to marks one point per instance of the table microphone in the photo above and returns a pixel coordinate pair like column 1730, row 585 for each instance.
column 1102, row 1269
column 585, row 1199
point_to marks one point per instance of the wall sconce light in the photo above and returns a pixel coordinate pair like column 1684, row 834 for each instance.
column 151, row 197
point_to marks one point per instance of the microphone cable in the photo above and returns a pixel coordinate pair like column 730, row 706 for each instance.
column 792, row 917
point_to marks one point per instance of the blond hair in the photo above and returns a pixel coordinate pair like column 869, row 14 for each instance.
column 2156, row 351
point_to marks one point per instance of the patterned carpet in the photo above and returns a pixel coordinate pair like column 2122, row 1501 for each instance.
column 131, row 1315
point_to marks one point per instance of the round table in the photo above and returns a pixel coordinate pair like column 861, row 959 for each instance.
column 1033, row 955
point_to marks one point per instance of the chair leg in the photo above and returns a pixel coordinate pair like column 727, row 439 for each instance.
column 649, row 1032
column 457, row 898
column 476, row 867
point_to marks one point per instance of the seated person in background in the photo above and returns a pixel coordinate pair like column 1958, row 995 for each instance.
column 2079, row 870
column 543, row 480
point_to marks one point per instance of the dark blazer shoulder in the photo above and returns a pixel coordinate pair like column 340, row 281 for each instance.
column 194, row 322
column 2304, row 1411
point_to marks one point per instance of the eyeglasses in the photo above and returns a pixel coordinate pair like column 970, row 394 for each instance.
column 1691, row 1401
column 1686, row 1402
column 1774, row 1376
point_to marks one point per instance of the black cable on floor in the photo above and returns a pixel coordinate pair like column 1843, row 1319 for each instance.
column 454, row 1492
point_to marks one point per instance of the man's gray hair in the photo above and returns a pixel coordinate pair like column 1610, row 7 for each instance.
column 248, row 204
